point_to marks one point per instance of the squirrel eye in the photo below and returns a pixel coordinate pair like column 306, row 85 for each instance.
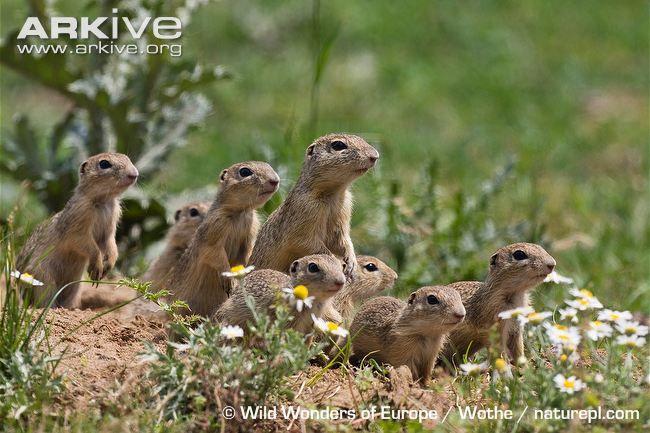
column 313, row 268
column 432, row 300
column 371, row 267
column 194, row 212
column 519, row 255
column 245, row 172
column 338, row 145
column 104, row 164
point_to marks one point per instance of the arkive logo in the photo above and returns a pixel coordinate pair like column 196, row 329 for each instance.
column 84, row 28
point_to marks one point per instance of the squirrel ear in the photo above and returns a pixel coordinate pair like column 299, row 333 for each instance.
column 82, row 168
column 493, row 260
column 411, row 298
column 294, row 267
column 222, row 177
column 177, row 215
column 310, row 149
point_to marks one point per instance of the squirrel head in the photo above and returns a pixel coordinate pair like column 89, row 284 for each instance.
column 186, row 220
column 372, row 277
column 107, row 175
column 338, row 159
column 434, row 308
column 520, row 266
column 322, row 274
column 247, row 185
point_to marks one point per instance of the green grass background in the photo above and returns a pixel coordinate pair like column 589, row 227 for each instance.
column 559, row 87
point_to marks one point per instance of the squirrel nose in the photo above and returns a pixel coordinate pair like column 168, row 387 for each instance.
column 339, row 283
column 274, row 182
column 460, row 315
column 133, row 175
column 551, row 265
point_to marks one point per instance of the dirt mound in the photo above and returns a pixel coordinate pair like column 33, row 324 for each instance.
column 101, row 357
column 101, row 353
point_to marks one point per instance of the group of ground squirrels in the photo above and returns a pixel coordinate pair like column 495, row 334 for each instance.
column 305, row 241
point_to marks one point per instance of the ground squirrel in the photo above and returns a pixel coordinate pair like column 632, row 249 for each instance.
column 315, row 217
column 372, row 277
column 514, row 270
column 408, row 333
column 224, row 238
column 82, row 234
column 322, row 275
column 186, row 220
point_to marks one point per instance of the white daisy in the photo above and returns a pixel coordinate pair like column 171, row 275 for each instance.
column 631, row 327
column 329, row 327
column 299, row 296
column 501, row 368
column 565, row 337
column 232, row 332
column 585, row 303
column 608, row 315
column 516, row 312
column 568, row 385
column 534, row 318
column 471, row 369
column 581, row 293
column 598, row 330
column 569, row 313
column 630, row 340
column 598, row 378
column 26, row 278
column 556, row 278
column 238, row 271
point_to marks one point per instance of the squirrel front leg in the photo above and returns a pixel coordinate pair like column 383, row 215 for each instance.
column 110, row 253
column 90, row 249
column 217, row 259
column 512, row 339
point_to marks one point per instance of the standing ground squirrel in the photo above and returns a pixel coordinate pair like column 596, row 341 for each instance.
column 407, row 333
column 186, row 220
column 372, row 277
column 82, row 234
column 224, row 238
column 514, row 270
column 315, row 217
column 321, row 274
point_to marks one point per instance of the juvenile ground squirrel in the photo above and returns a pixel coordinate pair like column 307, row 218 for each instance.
column 408, row 333
column 322, row 275
column 514, row 270
column 82, row 234
column 315, row 217
column 224, row 238
column 186, row 220
column 372, row 277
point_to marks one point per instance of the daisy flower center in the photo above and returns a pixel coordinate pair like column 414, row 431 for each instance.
column 331, row 326
column 568, row 384
column 237, row 268
column 300, row 292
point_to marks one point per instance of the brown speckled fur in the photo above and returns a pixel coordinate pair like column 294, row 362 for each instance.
column 315, row 217
column 506, row 287
column 406, row 333
column 366, row 284
column 265, row 286
column 82, row 234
